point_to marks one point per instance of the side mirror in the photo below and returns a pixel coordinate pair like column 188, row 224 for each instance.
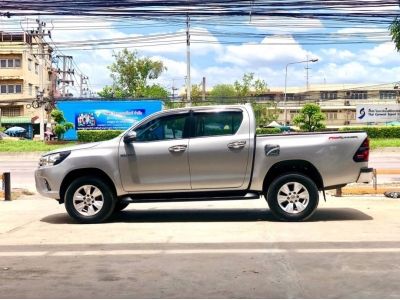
column 130, row 137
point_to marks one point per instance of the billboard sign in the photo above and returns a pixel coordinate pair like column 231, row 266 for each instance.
column 105, row 114
column 377, row 113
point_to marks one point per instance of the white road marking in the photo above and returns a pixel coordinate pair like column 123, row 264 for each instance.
column 194, row 251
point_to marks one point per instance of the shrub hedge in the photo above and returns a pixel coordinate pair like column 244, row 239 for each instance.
column 87, row 136
column 379, row 132
column 268, row 130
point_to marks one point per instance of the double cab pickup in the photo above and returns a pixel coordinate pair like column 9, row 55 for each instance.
column 202, row 154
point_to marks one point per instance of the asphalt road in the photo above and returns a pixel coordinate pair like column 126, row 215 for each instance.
column 350, row 248
column 22, row 167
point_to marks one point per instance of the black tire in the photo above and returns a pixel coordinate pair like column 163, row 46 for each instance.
column 292, row 205
column 120, row 206
column 76, row 188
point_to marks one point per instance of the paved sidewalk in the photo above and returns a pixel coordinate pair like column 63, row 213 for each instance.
column 350, row 248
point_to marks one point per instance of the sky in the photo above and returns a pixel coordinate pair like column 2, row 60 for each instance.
column 223, row 49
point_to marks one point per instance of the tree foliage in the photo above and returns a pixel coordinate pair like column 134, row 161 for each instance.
column 131, row 74
column 155, row 91
column 243, row 87
column 394, row 29
column 223, row 93
column 196, row 92
column 310, row 118
column 249, row 86
column 265, row 113
column 61, row 126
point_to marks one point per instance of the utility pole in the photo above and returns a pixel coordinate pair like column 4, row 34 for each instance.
column 204, row 90
column 174, row 88
column 83, row 90
column 40, row 34
column 188, row 83
column 66, row 72
column 63, row 75
column 307, row 81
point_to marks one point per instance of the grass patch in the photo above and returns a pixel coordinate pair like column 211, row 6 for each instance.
column 29, row 146
column 382, row 143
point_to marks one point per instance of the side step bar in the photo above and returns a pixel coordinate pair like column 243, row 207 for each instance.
column 248, row 196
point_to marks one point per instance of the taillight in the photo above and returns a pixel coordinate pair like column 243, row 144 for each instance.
column 362, row 153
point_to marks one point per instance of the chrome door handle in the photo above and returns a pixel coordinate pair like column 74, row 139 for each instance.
column 177, row 148
column 237, row 145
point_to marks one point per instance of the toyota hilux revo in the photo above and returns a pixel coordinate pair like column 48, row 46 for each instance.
column 203, row 153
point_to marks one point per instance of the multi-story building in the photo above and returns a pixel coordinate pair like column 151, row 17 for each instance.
column 25, row 71
column 338, row 102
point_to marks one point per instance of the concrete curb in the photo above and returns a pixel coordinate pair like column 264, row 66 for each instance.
column 388, row 171
column 368, row 190
column 5, row 156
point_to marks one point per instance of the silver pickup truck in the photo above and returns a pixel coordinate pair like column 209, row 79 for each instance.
column 202, row 153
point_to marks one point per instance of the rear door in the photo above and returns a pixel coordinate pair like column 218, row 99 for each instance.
column 218, row 149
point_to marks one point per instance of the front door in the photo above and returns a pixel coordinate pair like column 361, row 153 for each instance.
column 158, row 159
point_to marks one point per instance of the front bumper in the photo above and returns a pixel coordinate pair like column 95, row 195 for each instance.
column 366, row 175
column 46, row 185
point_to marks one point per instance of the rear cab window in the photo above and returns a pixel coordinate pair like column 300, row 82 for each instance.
column 217, row 123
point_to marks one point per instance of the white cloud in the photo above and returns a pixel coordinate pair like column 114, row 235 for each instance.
column 285, row 25
column 383, row 54
column 371, row 33
column 272, row 51
column 202, row 43
column 337, row 55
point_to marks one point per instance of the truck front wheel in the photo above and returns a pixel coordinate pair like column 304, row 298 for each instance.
column 292, row 197
column 89, row 200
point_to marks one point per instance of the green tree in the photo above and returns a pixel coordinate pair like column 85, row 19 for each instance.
column 155, row 91
column 223, row 93
column 265, row 113
column 131, row 73
column 243, row 87
column 196, row 93
column 112, row 92
column 260, row 87
column 310, row 118
column 394, row 29
column 61, row 125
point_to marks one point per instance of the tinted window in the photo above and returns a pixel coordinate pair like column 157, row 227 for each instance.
column 18, row 88
column 222, row 123
column 163, row 128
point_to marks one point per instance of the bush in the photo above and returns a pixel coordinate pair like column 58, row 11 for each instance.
column 380, row 132
column 268, row 130
column 62, row 126
column 86, row 136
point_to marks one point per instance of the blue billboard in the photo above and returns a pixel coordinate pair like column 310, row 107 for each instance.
column 105, row 114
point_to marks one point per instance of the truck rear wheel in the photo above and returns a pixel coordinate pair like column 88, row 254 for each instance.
column 292, row 197
column 89, row 200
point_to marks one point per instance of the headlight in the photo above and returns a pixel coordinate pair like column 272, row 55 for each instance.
column 53, row 159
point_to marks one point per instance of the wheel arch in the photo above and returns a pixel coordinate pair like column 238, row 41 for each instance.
column 89, row 172
column 293, row 166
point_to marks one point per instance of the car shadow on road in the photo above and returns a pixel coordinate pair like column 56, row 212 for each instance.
column 213, row 215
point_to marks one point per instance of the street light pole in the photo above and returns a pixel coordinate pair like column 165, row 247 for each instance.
column 285, row 95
